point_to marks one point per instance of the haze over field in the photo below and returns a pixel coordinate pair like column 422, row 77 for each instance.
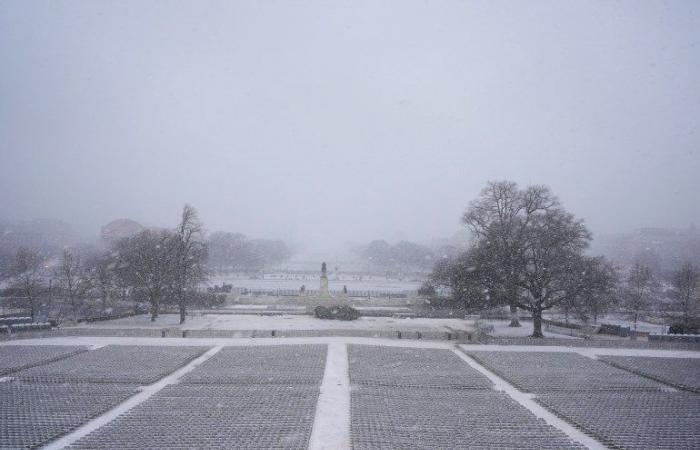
column 325, row 122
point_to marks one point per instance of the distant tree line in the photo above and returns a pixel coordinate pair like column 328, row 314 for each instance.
column 402, row 257
column 663, row 250
column 527, row 252
column 234, row 252
column 152, row 267
column 48, row 237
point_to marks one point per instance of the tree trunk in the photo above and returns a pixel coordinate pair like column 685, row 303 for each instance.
column 32, row 308
column 74, row 309
column 154, row 309
column 514, row 320
column 50, row 294
column 537, row 324
column 182, row 313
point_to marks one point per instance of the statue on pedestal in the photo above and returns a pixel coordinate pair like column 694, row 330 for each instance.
column 323, row 289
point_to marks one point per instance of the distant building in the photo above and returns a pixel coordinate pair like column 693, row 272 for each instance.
column 119, row 229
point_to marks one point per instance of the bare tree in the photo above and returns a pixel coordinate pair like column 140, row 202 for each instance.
column 596, row 295
column 528, row 248
column 459, row 275
column 686, row 293
column 123, row 279
column 548, row 273
column 102, row 276
column 501, row 216
column 495, row 215
column 145, row 263
column 73, row 280
column 189, row 257
column 639, row 291
column 27, row 276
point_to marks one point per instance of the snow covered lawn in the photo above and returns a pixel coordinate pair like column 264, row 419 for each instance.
column 380, row 284
column 283, row 322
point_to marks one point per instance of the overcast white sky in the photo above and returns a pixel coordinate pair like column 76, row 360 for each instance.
column 328, row 121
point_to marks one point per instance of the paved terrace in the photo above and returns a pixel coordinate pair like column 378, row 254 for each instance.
column 341, row 392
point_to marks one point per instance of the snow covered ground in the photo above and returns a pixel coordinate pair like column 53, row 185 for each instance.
column 283, row 322
column 501, row 329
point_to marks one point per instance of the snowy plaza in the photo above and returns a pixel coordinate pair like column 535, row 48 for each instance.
column 349, row 225
column 87, row 392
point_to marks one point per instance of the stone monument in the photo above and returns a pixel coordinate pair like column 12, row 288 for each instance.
column 323, row 289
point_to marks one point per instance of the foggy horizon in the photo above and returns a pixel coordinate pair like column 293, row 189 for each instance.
column 324, row 123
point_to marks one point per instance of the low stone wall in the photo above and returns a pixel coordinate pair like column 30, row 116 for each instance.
column 23, row 327
column 687, row 338
column 462, row 336
column 105, row 317
column 107, row 332
column 582, row 332
column 97, row 332
column 615, row 330
column 459, row 336
column 593, row 343
column 14, row 320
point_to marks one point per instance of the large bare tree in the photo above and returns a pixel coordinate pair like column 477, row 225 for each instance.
column 500, row 217
column 528, row 248
column 189, row 256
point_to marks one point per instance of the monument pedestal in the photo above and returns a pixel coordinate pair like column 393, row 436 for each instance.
column 323, row 291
